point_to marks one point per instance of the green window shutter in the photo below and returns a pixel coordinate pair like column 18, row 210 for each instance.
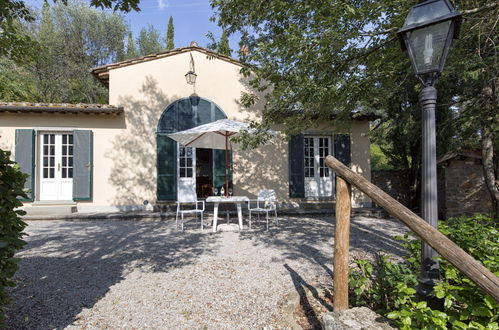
column 167, row 161
column 342, row 148
column 219, row 169
column 82, row 165
column 25, row 157
column 296, row 167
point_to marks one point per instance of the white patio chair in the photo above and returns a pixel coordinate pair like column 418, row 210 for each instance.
column 188, row 203
column 265, row 202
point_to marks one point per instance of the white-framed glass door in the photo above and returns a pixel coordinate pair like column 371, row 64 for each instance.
column 186, row 171
column 318, row 177
column 56, row 166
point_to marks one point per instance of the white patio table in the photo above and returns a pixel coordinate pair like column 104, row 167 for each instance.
column 238, row 200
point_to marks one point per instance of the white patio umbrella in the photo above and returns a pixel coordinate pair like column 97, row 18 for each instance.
column 214, row 135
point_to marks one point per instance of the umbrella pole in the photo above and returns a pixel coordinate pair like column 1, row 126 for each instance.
column 227, row 165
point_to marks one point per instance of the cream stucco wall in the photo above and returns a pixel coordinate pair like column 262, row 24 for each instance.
column 125, row 145
column 105, row 128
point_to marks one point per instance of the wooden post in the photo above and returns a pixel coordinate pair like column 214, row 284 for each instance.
column 476, row 272
column 341, row 245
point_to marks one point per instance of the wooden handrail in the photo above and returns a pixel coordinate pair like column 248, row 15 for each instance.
column 470, row 267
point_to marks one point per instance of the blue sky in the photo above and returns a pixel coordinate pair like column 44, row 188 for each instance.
column 191, row 19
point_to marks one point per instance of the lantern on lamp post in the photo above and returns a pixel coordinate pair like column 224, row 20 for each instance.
column 191, row 75
column 426, row 35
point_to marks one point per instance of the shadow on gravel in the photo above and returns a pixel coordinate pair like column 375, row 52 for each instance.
column 68, row 266
column 311, row 241
column 298, row 238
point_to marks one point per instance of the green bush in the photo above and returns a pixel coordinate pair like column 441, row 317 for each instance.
column 389, row 287
column 11, row 225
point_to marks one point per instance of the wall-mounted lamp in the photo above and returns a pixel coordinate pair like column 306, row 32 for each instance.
column 191, row 75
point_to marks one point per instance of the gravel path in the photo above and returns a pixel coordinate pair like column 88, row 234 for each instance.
column 146, row 274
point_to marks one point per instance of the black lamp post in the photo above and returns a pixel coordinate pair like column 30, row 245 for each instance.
column 427, row 34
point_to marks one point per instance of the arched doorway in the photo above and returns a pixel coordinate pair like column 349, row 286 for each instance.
column 178, row 166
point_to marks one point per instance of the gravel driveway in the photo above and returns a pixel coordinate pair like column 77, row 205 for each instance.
column 145, row 274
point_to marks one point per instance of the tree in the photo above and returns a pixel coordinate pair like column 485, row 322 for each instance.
column 149, row 41
column 120, row 51
column 222, row 46
column 169, row 35
column 71, row 40
column 11, row 231
column 17, row 45
column 474, row 74
column 326, row 61
column 131, row 51
column 14, row 83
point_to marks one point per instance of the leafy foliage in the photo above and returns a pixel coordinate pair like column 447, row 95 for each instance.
column 388, row 287
column 379, row 161
column 17, row 45
column 149, row 41
column 11, row 226
column 14, row 84
column 222, row 46
column 71, row 39
column 253, row 137
column 131, row 51
column 317, row 62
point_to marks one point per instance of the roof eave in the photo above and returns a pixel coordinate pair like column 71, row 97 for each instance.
column 42, row 109
column 102, row 72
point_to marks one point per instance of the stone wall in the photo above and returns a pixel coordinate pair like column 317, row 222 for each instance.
column 394, row 183
column 462, row 189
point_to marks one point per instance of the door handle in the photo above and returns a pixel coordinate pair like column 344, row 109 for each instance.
column 58, row 166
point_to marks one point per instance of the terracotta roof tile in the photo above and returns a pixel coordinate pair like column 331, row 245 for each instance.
column 25, row 107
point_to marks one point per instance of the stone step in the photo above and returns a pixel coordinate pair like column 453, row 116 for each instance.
column 317, row 205
column 50, row 209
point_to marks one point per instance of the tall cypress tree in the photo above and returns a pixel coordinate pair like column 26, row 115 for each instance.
column 120, row 52
column 169, row 35
column 223, row 45
column 131, row 52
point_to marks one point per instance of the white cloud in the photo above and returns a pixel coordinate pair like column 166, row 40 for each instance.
column 162, row 4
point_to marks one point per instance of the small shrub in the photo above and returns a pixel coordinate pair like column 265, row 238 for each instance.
column 389, row 288
column 11, row 225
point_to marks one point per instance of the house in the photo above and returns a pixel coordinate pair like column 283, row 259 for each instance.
column 118, row 157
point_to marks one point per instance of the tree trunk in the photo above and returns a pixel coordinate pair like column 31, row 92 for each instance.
column 489, row 169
